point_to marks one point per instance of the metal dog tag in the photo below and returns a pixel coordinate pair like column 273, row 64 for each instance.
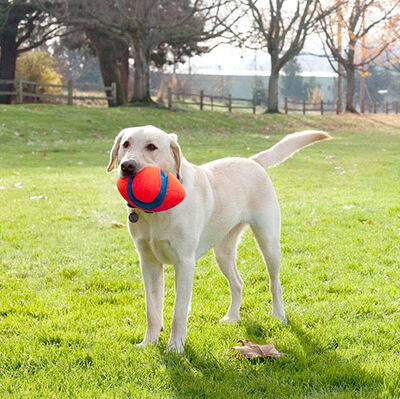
column 133, row 217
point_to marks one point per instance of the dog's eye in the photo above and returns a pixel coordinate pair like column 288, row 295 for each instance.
column 151, row 147
column 126, row 144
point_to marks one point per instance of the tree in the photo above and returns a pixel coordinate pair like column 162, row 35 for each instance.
column 359, row 18
column 109, row 50
column 259, row 92
column 156, row 30
column 292, row 84
column 22, row 27
column 173, row 25
column 282, row 28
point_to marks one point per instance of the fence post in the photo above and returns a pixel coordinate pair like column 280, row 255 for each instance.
column 114, row 94
column 286, row 105
column 212, row 103
column 337, row 107
column 397, row 107
column 70, row 91
column 254, row 103
column 230, row 103
column 201, row 99
column 387, row 107
column 169, row 98
column 35, row 92
column 322, row 107
column 19, row 91
column 304, row 107
column 374, row 107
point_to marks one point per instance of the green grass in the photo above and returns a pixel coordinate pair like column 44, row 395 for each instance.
column 71, row 295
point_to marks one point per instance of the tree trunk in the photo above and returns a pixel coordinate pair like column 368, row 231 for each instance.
column 163, row 90
column 110, row 71
column 273, row 91
column 141, row 76
column 124, row 71
column 8, row 61
column 350, row 89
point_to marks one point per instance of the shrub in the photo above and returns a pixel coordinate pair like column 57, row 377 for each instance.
column 38, row 66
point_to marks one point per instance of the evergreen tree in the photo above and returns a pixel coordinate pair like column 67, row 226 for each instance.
column 292, row 85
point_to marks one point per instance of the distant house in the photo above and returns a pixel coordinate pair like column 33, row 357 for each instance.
column 240, row 84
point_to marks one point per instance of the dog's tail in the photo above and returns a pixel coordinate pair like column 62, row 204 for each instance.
column 288, row 146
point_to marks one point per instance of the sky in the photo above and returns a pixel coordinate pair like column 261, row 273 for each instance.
column 227, row 57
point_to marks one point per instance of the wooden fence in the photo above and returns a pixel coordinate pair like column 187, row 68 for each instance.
column 326, row 106
column 204, row 101
column 304, row 106
column 21, row 90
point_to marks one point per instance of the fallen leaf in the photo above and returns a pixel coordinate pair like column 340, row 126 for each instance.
column 18, row 134
column 18, row 185
column 80, row 163
column 310, row 223
column 210, row 150
column 250, row 350
column 114, row 223
column 367, row 222
column 38, row 197
column 97, row 136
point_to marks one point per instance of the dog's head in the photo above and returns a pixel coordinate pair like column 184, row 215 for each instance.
column 137, row 147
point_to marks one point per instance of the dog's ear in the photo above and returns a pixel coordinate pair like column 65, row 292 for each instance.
column 114, row 152
column 176, row 151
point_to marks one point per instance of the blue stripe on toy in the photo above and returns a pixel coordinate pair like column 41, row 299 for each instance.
column 157, row 201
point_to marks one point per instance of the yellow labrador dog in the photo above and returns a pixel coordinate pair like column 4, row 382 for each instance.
column 222, row 197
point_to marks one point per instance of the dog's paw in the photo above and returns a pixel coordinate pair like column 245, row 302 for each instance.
column 146, row 342
column 281, row 317
column 176, row 347
column 229, row 319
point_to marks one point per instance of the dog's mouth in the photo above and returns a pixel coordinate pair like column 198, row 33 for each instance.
column 123, row 174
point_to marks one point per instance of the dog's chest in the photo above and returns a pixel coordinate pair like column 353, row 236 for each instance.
column 163, row 251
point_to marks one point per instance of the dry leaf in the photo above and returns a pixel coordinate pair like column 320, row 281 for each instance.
column 97, row 136
column 114, row 223
column 210, row 150
column 18, row 185
column 18, row 134
column 310, row 223
column 250, row 350
column 367, row 222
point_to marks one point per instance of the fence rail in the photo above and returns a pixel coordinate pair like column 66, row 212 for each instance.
column 21, row 91
column 210, row 101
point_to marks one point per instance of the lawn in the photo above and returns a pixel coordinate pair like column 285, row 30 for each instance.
column 71, row 295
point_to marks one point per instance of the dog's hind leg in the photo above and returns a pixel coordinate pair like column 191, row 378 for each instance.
column 225, row 254
column 266, row 228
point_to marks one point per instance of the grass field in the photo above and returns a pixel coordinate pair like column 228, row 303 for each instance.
column 71, row 295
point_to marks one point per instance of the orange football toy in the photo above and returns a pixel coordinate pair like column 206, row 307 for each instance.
column 151, row 190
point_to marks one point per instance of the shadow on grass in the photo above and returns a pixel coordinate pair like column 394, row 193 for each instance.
column 310, row 370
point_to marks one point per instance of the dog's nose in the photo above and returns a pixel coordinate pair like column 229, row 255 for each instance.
column 128, row 168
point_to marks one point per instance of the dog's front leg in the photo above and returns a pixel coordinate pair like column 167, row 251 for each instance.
column 183, row 291
column 153, row 277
